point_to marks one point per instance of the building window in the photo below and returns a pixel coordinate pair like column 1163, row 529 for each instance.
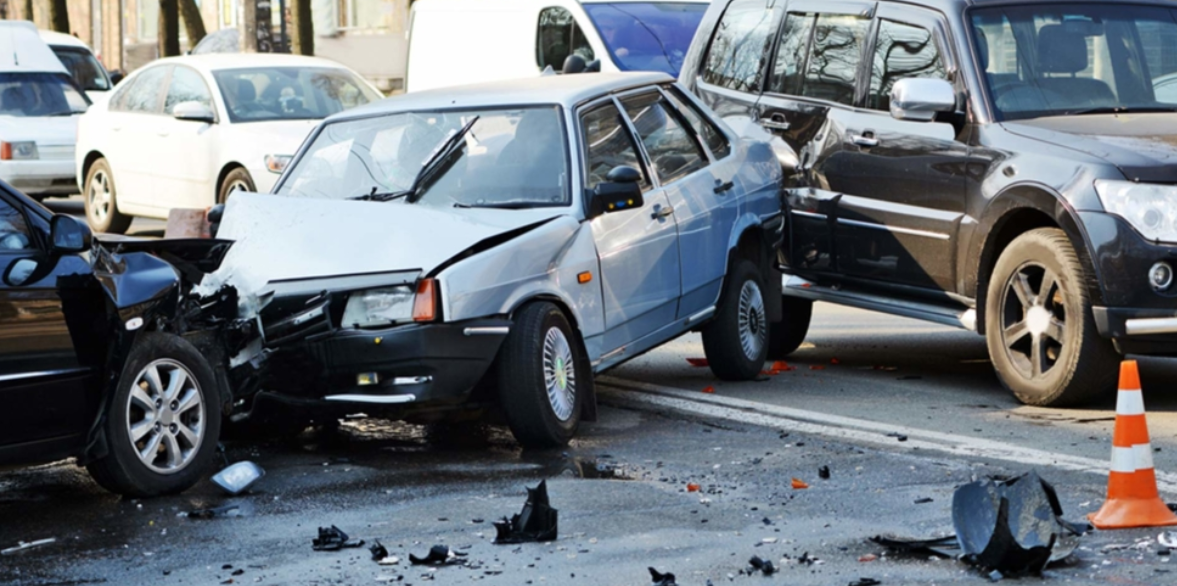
column 372, row 14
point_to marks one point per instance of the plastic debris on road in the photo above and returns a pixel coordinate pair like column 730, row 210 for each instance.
column 536, row 522
column 692, row 487
column 238, row 477
column 709, row 389
column 23, row 545
column 333, row 539
column 866, row 582
column 662, row 579
column 1168, row 539
column 213, row 512
column 760, row 565
column 697, row 362
column 439, row 555
column 379, row 552
column 823, row 473
column 799, row 484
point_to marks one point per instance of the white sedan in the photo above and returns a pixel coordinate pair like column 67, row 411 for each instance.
column 186, row 132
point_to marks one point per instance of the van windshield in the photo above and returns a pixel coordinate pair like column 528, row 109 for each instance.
column 1074, row 59
column 39, row 94
column 87, row 72
column 647, row 36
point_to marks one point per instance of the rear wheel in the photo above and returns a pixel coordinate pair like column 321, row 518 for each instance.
column 1039, row 327
column 102, row 211
column 785, row 336
column 736, row 341
column 542, row 376
column 237, row 180
column 163, row 422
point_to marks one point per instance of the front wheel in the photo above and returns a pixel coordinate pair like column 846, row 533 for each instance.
column 543, row 375
column 163, row 422
column 1039, row 327
column 237, row 180
column 736, row 341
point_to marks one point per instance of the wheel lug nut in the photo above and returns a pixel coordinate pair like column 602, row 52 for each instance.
column 156, row 427
column 172, row 428
column 174, row 405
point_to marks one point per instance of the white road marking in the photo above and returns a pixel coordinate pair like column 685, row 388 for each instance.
column 851, row 429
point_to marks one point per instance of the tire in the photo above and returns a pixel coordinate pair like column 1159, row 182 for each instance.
column 785, row 336
column 238, row 178
column 736, row 341
column 1039, row 327
column 541, row 352
column 122, row 470
column 102, row 210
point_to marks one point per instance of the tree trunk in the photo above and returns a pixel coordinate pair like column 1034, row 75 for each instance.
column 169, row 28
column 26, row 12
column 193, row 22
column 59, row 16
column 302, row 38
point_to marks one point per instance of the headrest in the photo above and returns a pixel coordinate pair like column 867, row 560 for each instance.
column 1060, row 50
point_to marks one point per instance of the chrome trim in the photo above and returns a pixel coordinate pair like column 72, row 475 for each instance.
column 702, row 315
column 805, row 214
column 1153, row 325
column 376, row 399
column 412, row 380
column 895, row 229
column 487, row 331
column 609, row 355
column 39, row 374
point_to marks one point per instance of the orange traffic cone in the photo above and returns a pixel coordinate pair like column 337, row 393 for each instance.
column 1133, row 500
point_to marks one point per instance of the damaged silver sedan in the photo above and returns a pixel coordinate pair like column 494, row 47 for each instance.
column 450, row 252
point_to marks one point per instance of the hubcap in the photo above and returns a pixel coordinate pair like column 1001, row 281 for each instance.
column 165, row 416
column 753, row 323
column 98, row 195
column 559, row 373
column 1033, row 320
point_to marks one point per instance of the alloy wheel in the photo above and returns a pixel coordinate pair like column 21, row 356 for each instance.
column 165, row 416
column 753, row 323
column 98, row 196
column 559, row 373
column 1033, row 320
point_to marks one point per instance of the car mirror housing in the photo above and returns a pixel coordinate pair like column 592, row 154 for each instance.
column 68, row 234
column 920, row 99
column 194, row 111
column 620, row 191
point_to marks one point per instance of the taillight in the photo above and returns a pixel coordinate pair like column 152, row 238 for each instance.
column 425, row 303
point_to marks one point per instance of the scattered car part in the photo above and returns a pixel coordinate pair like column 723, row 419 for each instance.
column 823, row 473
column 379, row 552
column 536, row 522
column 333, row 539
column 210, row 513
column 761, row 565
column 943, row 547
column 1168, row 539
column 866, row 582
column 238, row 477
column 439, row 555
column 23, row 545
column 662, row 579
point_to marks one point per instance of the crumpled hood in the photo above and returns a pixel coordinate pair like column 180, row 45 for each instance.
column 46, row 130
column 281, row 238
column 1142, row 146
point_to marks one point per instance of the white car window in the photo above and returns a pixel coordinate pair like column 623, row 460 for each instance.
column 186, row 86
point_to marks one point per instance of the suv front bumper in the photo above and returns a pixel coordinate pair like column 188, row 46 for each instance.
column 1139, row 331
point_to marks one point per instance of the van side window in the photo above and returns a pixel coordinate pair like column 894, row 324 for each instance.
column 673, row 153
column 791, row 53
column 901, row 51
column 557, row 37
column 834, row 58
column 712, row 136
column 738, row 50
column 609, row 145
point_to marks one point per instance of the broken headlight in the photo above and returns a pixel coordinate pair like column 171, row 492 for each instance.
column 379, row 307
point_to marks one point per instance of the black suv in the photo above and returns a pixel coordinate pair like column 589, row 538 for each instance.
column 1005, row 167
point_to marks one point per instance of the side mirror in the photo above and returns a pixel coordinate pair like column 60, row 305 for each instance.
column 920, row 99
column 621, row 190
column 19, row 271
column 573, row 64
column 68, row 234
column 116, row 76
column 194, row 111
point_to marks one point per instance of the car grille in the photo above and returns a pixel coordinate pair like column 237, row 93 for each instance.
column 55, row 152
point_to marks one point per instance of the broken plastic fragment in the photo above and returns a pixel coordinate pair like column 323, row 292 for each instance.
column 799, row 484
column 763, row 566
column 782, row 366
column 817, row 367
column 238, row 477
column 23, row 545
column 865, row 582
column 1168, row 539
column 379, row 552
column 333, row 539
column 225, row 511
column 661, row 579
column 823, row 473
column 944, row 547
column 692, row 487
column 536, row 522
column 439, row 555
column 697, row 361
column 923, row 501
column 709, row 389
column 870, row 557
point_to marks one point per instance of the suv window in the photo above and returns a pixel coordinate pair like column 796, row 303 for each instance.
column 186, row 86
column 558, row 37
column 144, row 95
column 609, row 145
column 711, row 134
column 901, row 51
column 832, row 67
column 791, row 53
column 672, row 152
column 737, row 52
column 14, row 232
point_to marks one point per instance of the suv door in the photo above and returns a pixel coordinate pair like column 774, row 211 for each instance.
column 42, row 390
column 637, row 248
column 902, row 182
column 808, row 101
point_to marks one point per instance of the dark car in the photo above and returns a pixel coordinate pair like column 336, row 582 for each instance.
column 1005, row 167
column 101, row 357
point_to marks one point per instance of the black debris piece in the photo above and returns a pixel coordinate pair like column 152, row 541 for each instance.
column 923, row 501
column 866, row 582
column 225, row 511
column 823, row 473
column 898, row 436
column 805, row 559
column 661, row 579
column 536, row 522
column 945, row 547
column 439, row 555
column 333, row 539
column 378, row 550
column 763, row 566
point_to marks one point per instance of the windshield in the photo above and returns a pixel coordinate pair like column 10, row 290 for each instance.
column 1061, row 59
column 39, row 94
column 647, row 36
column 87, row 72
column 290, row 93
column 512, row 158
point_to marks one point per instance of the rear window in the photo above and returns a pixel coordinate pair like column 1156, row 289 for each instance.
column 739, row 46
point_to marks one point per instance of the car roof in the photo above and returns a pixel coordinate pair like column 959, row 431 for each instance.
column 218, row 61
column 565, row 90
column 62, row 39
column 21, row 49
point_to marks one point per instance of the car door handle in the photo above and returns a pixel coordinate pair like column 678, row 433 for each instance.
column 866, row 139
column 775, row 122
column 723, row 187
column 661, row 211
